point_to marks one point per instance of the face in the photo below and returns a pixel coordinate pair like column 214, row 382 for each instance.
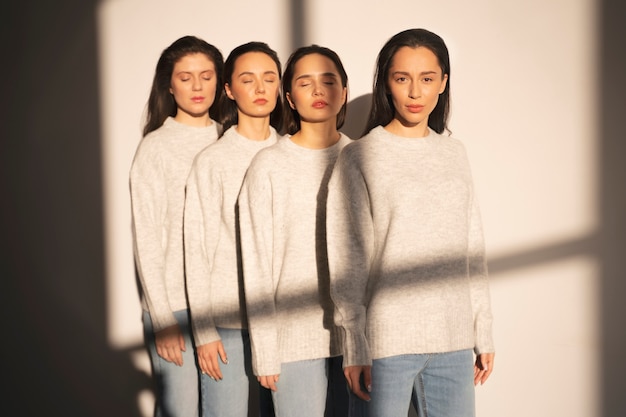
column 415, row 81
column 316, row 91
column 254, row 85
column 193, row 85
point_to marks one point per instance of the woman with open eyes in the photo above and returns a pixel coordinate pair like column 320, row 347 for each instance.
column 405, row 245
column 181, row 121
column 250, row 112
column 282, row 215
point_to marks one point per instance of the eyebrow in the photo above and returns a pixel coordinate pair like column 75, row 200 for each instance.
column 252, row 73
column 421, row 73
column 325, row 74
column 201, row 72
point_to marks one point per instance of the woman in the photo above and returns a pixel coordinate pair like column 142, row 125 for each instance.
column 180, row 122
column 405, row 244
column 214, row 277
column 282, row 214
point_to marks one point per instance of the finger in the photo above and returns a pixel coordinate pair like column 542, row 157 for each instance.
column 367, row 378
column 222, row 352
column 160, row 352
column 477, row 377
column 346, row 374
column 272, row 380
column 214, row 368
column 201, row 363
column 487, row 369
column 356, row 386
column 485, row 376
column 263, row 381
column 181, row 342
column 176, row 356
column 362, row 394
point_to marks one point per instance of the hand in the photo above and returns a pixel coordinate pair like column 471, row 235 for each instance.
column 170, row 343
column 207, row 359
column 483, row 367
column 269, row 381
column 353, row 376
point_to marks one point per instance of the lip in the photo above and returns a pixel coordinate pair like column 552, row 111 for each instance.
column 319, row 104
column 197, row 99
column 415, row 108
column 260, row 101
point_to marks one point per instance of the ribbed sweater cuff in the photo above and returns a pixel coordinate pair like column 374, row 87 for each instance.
column 356, row 350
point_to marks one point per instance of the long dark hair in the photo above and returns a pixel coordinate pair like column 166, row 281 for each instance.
column 228, row 107
column 291, row 118
column 161, row 103
column 382, row 110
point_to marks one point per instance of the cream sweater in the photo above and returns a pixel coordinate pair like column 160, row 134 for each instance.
column 406, row 252
column 157, row 188
column 282, row 216
column 213, row 270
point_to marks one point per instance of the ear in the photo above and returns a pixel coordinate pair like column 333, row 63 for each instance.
column 443, row 83
column 344, row 95
column 171, row 91
column 228, row 92
column 291, row 103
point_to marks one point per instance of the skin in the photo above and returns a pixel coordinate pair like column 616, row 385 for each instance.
column 193, row 85
column 317, row 95
column 170, row 343
column 255, row 86
column 415, row 80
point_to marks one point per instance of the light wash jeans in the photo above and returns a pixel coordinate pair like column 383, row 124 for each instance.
column 230, row 396
column 439, row 384
column 301, row 389
column 177, row 387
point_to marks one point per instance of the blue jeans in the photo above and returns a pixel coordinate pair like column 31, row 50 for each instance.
column 177, row 387
column 230, row 396
column 439, row 384
column 301, row 389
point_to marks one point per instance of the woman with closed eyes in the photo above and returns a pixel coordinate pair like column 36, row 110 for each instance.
column 282, row 215
column 250, row 110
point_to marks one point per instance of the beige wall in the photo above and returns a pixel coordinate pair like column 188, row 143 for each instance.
column 525, row 99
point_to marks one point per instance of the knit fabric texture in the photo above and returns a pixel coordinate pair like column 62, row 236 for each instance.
column 406, row 250
column 283, row 218
column 212, row 252
column 157, row 188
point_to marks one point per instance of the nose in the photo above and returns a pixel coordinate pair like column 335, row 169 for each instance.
column 414, row 90
column 197, row 84
column 318, row 90
column 260, row 87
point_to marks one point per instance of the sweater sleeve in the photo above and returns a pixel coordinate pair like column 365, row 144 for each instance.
column 201, row 229
column 350, row 246
column 149, row 208
column 479, row 285
column 256, row 229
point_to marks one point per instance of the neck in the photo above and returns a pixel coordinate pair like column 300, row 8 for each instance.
column 192, row 120
column 317, row 135
column 398, row 128
column 253, row 128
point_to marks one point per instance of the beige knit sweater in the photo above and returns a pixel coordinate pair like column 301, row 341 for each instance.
column 214, row 276
column 282, row 215
column 406, row 251
column 157, row 188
